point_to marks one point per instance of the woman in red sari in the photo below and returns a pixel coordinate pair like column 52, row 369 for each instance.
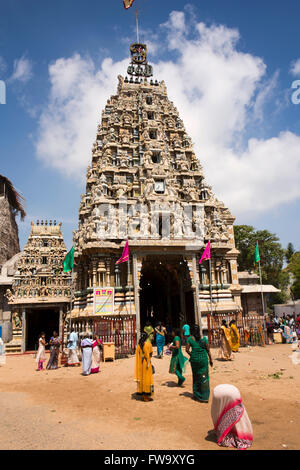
column 96, row 357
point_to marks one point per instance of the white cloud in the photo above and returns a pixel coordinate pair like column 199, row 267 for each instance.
column 217, row 89
column 22, row 71
column 295, row 68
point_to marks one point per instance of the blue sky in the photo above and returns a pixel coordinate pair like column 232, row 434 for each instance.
column 46, row 48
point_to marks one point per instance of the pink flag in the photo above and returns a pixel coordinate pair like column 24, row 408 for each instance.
column 206, row 253
column 125, row 254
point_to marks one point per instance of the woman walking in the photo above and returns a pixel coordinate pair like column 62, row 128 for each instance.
column 143, row 373
column 234, row 335
column 231, row 421
column 87, row 352
column 41, row 355
column 160, row 335
column 199, row 352
column 178, row 361
column 225, row 352
column 96, row 355
column 55, row 343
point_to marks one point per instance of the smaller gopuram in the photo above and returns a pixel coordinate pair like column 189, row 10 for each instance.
column 40, row 295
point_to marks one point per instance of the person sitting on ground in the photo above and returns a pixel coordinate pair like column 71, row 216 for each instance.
column 198, row 349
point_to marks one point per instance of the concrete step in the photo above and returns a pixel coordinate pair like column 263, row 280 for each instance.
column 11, row 348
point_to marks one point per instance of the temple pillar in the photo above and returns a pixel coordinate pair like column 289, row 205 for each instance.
column 136, row 285
column 23, row 348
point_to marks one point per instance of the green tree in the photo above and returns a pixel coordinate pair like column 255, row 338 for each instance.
column 290, row 250
column 294, row 268
column 270, row 250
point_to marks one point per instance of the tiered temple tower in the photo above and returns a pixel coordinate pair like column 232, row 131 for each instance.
column 40, row 295
column 145, row 184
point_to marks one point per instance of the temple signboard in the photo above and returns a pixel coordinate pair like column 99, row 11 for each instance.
column 104, row 300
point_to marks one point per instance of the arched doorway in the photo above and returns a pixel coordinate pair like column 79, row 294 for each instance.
column 165, row 291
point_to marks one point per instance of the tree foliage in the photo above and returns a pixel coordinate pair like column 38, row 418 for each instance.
column 271, row 252
column 294, row 268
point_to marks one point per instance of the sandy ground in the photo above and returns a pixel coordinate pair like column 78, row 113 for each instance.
column 61, row 409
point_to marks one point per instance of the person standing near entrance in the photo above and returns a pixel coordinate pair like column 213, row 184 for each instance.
column 226, row 345
column 178, row 361
column 235, row 337
column 143, row 372
column 96, row 356
column 150, row 331
column 72, row 349
column 55, row 343
column 160, row 335
column 87, row 353
column 41, row 355
column 186, row 333
column 199, row 352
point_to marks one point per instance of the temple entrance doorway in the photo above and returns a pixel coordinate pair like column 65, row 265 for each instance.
column 166, row 293
column 38, row 321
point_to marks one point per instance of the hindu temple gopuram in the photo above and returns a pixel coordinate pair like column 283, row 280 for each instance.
column 146, row 185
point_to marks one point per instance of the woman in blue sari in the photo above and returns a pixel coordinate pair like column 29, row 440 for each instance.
column 87, row 353
column 160, row 336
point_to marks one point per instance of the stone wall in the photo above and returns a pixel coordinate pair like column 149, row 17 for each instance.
column 9, row 234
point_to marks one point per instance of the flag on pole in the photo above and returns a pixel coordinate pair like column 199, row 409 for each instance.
column 206, row 253
column 69, row 261
column 125, row 254
column 128, row 3
column 256, row 254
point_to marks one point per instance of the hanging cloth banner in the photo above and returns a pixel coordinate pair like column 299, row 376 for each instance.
column 128, row 3
column 206, row 253
column 125, row 254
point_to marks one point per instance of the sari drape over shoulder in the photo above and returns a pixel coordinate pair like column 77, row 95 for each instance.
column 178, row 362
column 199, row 364
column 143, row 374
column 235, row 338
column 231, row 421
column 226, row 345
column 96, row 357
column 87, row 356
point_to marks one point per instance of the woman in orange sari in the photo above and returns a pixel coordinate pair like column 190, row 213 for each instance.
column 143, row 373
column 226, row 345
column 235, row 337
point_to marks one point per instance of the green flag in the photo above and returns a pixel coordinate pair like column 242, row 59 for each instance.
column 69, row 261
column 256, row 254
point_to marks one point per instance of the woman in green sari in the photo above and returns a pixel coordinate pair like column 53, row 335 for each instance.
column 199, row 352
column 178, row 361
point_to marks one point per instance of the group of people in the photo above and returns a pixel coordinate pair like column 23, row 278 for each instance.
column 55, row 343
column 287, row 325
column 230, row 340
column 231, row 422
column 90, row 347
